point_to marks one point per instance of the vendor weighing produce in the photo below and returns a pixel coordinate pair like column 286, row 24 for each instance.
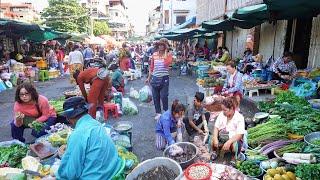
column 31, row 110
column 90, row 152
column 197, row 115
column 100, row 83
column 229, row 128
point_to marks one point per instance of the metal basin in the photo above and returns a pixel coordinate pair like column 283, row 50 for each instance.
column 183, row 145
column 311, row 137
column 122, row 126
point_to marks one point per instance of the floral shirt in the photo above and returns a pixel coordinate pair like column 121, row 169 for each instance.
column 289, row 67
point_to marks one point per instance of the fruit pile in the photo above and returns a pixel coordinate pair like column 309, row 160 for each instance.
column 279, row 174
column 250, row 168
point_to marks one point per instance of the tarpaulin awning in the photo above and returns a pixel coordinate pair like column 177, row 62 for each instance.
column 17, row 26
column 206, row 35
column 188, row 23
column 45, row 34
column 252, row 13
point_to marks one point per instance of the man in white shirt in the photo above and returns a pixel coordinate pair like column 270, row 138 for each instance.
column 75, row 62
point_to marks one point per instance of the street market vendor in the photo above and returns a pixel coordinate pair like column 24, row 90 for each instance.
column 229, row 128
column 29, row 107
column 90, row 152
column 233, row 85
column 197, row 115
column 100, row 83
column 117, row 77
column 284, row 68
column 168, row 123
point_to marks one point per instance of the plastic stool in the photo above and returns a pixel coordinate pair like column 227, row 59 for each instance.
column 253, row 91
column 110, row 107
column 43, row 75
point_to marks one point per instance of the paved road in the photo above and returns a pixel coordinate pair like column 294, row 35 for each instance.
column 143, row 130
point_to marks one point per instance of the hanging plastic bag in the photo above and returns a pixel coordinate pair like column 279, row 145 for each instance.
column 145, row 94
column 129, row 108
column 134, row 93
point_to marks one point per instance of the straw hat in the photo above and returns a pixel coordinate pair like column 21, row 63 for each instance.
column 163, row 41
column 258, row 58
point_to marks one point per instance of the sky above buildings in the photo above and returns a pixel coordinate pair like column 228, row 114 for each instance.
column 137, row 11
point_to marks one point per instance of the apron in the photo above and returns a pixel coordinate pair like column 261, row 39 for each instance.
column 223, row 137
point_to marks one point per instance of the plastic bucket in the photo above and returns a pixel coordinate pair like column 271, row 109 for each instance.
column 155, row 162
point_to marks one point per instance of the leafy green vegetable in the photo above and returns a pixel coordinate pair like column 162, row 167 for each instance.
column 13, row 155
column 265, row 133
column 308, row 171
column 291, row 98
column 37, row 126
column 316, row 142
column 291, row 148
column 57, row 104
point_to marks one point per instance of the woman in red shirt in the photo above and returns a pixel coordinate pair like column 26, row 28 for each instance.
column 60, row 58
column 29, row 107
column 100, row 86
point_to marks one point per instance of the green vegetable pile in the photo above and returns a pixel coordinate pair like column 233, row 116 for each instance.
column 290, row 98
column 313, row 150
column 13, row 155
column 273, row 130
column 316, row 142
column 249, row 168
column 298, row 115
column 291, row 148
column 37, row 126
column 308, row 171
column 57, row 104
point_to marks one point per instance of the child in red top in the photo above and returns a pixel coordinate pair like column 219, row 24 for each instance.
column 29, row 107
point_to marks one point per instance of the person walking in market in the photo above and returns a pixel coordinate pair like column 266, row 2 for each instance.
column 30, row 107
column 88, row 53
column 100, row 85
column 90, row 153
column 75, row 62
column 159, row 76
column 124, row 58
column 60, row 58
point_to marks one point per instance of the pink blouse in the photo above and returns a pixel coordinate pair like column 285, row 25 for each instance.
column 31, row 109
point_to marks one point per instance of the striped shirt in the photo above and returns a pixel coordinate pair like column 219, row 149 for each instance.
column 160, row 65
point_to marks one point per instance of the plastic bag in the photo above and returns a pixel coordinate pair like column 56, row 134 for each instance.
column 128, row 107
column 134, row 93
column 145, row 94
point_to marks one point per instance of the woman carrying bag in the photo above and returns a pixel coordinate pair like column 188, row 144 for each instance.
column 159, row 76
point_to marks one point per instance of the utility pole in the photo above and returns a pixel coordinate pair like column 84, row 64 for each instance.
column 91, row 19
column 171, row 9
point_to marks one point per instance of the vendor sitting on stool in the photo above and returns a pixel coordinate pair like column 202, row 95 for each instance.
column 197, row 115
column 284, row 69
column 233, row 85
column 90, row 152
column 29, row 107
column 229, row 128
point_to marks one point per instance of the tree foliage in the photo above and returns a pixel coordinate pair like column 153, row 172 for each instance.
column 100, row 28
column 66, row 16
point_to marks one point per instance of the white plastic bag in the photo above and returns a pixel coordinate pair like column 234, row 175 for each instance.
column 128, row 107
column 145, row 94
column 134, row 93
